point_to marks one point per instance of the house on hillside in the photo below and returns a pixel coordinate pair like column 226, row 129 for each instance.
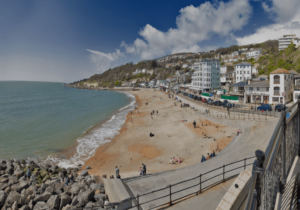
column 279, row 89
column 243, row 71
column 223, row 70
column 253, row 54
column 286, row 40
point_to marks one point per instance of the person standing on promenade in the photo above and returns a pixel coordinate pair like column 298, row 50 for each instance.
column 194, row 123
column 117, row 171
column 144, row 169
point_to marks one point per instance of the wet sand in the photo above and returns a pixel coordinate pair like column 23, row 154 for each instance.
column 174, row 137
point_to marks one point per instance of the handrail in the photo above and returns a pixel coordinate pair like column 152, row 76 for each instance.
column 169, row 194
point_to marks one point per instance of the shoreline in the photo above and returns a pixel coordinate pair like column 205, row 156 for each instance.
column 64, row 157
column 133, row 146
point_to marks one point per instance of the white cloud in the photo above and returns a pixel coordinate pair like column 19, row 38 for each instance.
column 281, row 10
column 276, row 30
column 102, row 60
column 194, row 24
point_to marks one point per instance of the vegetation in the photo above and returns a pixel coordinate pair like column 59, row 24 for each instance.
column 271, row 60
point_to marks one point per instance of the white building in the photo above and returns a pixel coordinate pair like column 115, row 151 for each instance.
column 207, row 75
column 253, row 54
column 152, row 83
column 281, row 86
column 243, row 71
column 286, row 40
column 161, row 82
column 137, row 71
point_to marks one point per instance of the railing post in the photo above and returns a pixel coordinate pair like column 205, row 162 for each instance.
column 200, row 185
column 283, row 148
column 223, row 173
column 245, row 163
column 138, row 201
column 170, row 186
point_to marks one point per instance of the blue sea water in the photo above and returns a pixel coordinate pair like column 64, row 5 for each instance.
column 43, row 119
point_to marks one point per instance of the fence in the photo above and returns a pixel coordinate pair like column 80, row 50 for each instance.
column 194, row 186
column 271, row 167
column 239, row 108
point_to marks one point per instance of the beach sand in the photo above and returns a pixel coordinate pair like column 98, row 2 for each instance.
column 173, row 138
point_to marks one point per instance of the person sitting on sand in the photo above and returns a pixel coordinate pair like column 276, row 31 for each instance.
column 141, row 171
column 203, row 159
column 171, row 160
column 175, row 159
column 179, row 160
column 208, row 156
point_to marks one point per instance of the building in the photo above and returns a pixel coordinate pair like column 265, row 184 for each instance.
column 152, row 83
column 253, row 54
column 137, row 71
column 207, row 75
column 296, row 88
column 223, row 70
column 243, row 71
column 257, row 92
column 279, row 89
column 286, row 40
column 161, row 82
column 186, row 65
column 281, row 86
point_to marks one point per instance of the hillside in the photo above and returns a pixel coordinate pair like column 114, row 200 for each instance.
column 288, row 59
column 270, row 60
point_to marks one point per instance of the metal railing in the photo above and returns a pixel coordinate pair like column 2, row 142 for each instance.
column 173, row 193
column 271, row 167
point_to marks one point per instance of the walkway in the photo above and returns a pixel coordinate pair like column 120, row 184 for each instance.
column 240, row 147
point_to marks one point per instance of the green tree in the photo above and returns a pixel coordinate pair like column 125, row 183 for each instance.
column 118, row 83
column 280, row 63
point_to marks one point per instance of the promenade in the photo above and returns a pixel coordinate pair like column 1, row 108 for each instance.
column 255, row 135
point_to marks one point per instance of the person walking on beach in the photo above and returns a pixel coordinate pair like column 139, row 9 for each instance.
column 238, row 132
column 157, row 112
column 194, row 123
column 117, row 171
column 144, row 169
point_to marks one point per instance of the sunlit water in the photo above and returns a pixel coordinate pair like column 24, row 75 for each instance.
column 39, row 119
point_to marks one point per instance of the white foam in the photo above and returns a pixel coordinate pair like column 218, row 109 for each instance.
column 88, row 144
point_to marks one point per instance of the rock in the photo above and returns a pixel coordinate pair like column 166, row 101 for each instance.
column 7, row 190
column 30, row 204
column 64, row 200
column 3, row 186
column 2, row 167
column 74, row 201
column 18, row 173
column 96, row 186
column 85, row 197
column 42, row 189
column 52, row 182
column 43, row 197
column 75, row 188
column 12, row 180
column 97, row 191
column 91, row 204
column 84, row 173
column 67, row 207
column 23, row 201
column 19, row 187
column 25, row 207
column 41, row 206
column 9, row 170
column 50, row 189
column 100, row 198
column 54, row 202
column 43, row 173
column 3, row 197
column 12, row 197
column 88, row 167
column 14, row 206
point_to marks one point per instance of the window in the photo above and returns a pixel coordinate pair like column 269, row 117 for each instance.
column 241, row 78
column 241, row 72
column 276, row 79
column 267, row 89
column 276, row 90
column 247, row 72
column 257, row 89
column 250, row 88
column 244, row 72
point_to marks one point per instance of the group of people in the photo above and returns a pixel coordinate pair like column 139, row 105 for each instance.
column 143, row 170
column 238, row 132
column 209, row 156
column 174, row 160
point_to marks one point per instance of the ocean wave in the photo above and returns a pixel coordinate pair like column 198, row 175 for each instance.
column 88, row 144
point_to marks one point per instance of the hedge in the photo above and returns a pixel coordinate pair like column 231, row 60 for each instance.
column 233, row 98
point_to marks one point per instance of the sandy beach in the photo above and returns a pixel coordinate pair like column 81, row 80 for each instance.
column 174, row 136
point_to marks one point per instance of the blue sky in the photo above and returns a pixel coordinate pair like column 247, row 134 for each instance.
column 70, row 40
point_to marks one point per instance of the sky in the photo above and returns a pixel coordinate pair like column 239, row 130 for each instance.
column 66, row 41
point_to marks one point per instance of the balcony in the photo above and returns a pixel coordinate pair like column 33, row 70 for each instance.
column 276, row 93
column 276, row 81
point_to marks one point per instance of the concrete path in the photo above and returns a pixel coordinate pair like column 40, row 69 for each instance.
column 256, row 135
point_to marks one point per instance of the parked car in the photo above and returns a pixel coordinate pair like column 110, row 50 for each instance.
column 264, row 107
column 199, row 98
column 280, row 107
column 210, row 101
column 204, row 100
column 225, row 102
column 218, row 103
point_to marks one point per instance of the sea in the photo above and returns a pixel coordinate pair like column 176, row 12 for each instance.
column 52, row 122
